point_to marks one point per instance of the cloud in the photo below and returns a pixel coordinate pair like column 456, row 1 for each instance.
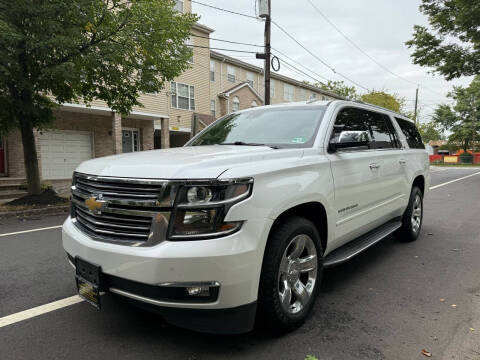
column 379, row 27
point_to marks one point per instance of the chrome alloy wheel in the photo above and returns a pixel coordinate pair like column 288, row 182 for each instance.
column 417, row 213
column 297, row 274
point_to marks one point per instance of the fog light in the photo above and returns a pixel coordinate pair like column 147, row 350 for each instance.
column 198, row 291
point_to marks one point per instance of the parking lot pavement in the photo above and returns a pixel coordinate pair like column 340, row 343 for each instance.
column 388, row 303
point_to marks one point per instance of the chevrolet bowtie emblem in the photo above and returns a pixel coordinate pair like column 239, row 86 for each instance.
column 95, row 204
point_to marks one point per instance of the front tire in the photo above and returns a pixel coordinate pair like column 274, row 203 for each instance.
column 412, row 218
column 291, row 275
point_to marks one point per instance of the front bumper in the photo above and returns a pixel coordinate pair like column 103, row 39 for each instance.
column 233, row 261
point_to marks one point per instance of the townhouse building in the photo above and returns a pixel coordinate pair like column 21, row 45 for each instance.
column 214, row 85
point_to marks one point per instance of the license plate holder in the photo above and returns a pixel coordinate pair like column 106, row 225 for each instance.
column 88, row 278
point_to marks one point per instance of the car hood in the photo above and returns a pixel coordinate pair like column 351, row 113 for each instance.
column 199, row 162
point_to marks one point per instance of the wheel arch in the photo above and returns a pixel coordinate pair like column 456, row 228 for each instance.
column 420, row 182
column 313, row 211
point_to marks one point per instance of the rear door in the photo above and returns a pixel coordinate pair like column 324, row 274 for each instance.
column 415, row 158
column 356, row 174
column 392, row 190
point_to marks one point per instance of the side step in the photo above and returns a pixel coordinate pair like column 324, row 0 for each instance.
column 355, row 247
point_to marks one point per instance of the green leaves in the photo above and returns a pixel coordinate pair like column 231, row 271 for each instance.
column 76, row 50
column 463, row 116
column 340, row 88
column 452, row 44
column 384, row 99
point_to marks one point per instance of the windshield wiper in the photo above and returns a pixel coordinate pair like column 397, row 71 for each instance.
column 242, row 143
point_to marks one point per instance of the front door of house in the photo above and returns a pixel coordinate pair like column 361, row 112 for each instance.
column 130, row 140
column 2, row 156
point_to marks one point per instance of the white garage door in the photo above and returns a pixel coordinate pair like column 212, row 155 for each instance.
column 62, row 151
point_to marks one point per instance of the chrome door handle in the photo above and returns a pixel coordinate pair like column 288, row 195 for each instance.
column 374, row 166
column 402, row 161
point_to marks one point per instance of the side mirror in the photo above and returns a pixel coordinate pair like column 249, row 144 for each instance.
column 349, row 139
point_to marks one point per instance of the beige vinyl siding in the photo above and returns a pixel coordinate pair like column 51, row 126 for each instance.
column 197, row 76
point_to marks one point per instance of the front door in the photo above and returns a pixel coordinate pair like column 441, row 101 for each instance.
column 130, row 140
column 2, row 156
column 356, row 176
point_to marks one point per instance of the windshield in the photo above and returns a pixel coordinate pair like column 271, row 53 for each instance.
column 272, row 127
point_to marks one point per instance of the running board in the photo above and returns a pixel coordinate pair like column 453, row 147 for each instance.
column 360, row 244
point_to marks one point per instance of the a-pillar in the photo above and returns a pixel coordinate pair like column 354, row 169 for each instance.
column 117, row 132
column 165, row 133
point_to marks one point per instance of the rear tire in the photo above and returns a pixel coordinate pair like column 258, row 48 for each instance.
column 291, row 275
column 412, row 218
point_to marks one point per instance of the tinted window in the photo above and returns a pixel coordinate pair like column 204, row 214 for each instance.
column 410, row 131
column 351, row 125
column 381, row 131
column 280, row 127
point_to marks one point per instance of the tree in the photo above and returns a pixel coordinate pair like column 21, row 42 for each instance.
column 462, row 119
column 384, row 99
column 339, row 88
column 452, row 45
column 430, row 131
column 59, row 51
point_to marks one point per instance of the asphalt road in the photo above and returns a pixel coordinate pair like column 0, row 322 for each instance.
column 388, row 303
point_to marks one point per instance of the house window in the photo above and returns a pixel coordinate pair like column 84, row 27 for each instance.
column 235, row 104
column 231, row 73
column 313, row 96
column 212, row 108
column 272, row 88
column 288, row 92
column 254, row 103
column 212, row 70
column 178, row 6
column 303, row 94
column 250, row 78
column 189, row 43
column 183, row 96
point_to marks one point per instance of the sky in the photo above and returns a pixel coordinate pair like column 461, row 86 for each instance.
column 379, row 27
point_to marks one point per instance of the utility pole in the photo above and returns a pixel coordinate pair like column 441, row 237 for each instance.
column 474, row 123
column 267, row 14
column 416, row 105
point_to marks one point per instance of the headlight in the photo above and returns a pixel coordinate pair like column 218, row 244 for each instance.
column 200, row 209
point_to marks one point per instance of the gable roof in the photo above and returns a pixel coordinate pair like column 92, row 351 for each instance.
column 245, row 65
column 237, row 87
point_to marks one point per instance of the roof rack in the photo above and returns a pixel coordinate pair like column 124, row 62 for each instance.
column 377, row 106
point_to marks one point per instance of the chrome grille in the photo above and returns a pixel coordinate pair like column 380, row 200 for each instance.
column 130, row 211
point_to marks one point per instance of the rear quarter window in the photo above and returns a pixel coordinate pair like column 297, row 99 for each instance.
column 414, row 139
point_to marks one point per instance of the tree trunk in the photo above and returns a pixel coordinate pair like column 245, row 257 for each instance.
column 30, row 157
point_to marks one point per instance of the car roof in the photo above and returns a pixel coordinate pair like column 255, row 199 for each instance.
column 321, row 103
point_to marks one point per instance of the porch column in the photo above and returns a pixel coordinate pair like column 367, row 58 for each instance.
column 165, row 133
column 117, row 132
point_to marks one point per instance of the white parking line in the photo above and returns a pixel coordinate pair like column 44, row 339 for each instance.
column 452, row 181
column 32, row 230
column 39, row 310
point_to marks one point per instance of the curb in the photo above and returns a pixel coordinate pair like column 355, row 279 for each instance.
column 52, row 210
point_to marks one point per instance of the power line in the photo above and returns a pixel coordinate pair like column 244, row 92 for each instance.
column 299, row 71
column 226, row 41
column 210, row 48
column 299, row 64
column 318, row 58
column 290, row 36
column 364, row 52
column 224, row 10
column 355, row 45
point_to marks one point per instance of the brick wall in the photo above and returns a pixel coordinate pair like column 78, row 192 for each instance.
column 146, row 131
column 100, row 126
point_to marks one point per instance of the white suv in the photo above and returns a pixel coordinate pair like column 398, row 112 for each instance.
column 239, row 223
